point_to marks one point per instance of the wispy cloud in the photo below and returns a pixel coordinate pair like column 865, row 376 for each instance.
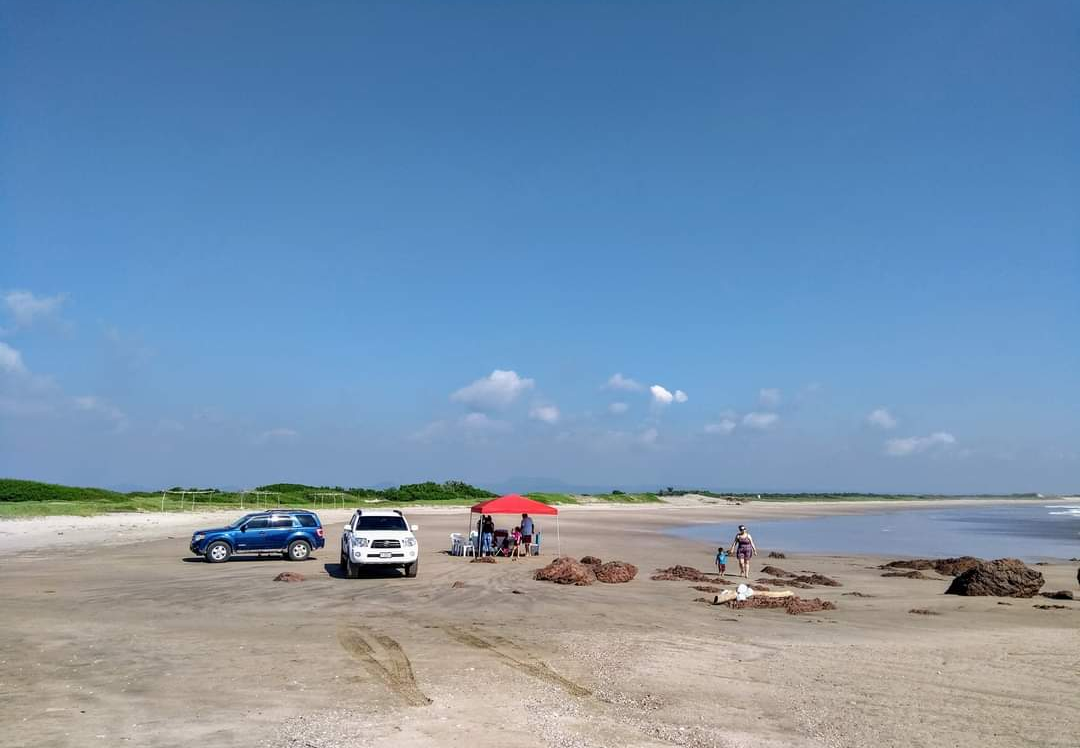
column 280, row 434
column 103, row 408
column 429, row 432
column 915, row 444
column 11, row 360
column 760, row 421
column 649, row 436
column 495, row 391
column 168, row 425
column 480, row 422
column 619, row 382
column 618, row 408
column 25, row 308
column 724, row 426
column 769, row 397
column 545, row 413
column 881, row 418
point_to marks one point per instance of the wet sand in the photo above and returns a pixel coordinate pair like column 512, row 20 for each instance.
column 136, row 644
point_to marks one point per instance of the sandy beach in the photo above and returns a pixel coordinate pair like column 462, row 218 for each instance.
column 133, row 642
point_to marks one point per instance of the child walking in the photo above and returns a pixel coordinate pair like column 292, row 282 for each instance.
column 721, row 561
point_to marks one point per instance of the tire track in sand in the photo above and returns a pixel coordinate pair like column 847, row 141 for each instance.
column 385, row 660
column 521, row 659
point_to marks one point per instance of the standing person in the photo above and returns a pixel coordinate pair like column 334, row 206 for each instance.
column 487, row 531
column 515, row 542
column 744, row 550
column 479, row 536
column 721, row 561
column 526, row 531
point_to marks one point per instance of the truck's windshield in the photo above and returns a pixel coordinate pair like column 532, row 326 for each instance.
column 381, row 523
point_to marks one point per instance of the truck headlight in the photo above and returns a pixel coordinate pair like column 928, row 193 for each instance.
column 361, row 542
column 198, row 536
column 408, row 542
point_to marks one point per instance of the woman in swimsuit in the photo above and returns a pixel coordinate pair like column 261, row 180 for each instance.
column 744, row 550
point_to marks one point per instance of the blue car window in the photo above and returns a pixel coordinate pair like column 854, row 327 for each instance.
column 281, row 522
column 259, row 523
column 306, row 520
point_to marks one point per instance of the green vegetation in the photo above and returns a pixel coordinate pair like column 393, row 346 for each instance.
column 615, row 497
column 545, row 497
column 27, row 490
column 22, row 498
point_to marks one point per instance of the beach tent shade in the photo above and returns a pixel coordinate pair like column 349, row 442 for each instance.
column 513, row 504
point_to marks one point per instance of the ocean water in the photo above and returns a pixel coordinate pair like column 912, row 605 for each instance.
column 1031, row 531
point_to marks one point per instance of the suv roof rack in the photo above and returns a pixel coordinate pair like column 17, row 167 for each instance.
column 398, row 513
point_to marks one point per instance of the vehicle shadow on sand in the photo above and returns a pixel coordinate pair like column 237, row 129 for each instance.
column 247, row 559
column 372, row 571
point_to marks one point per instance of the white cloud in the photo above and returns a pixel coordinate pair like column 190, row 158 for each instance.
column 279, row 434
column 881, row 418
column 769, row 397
column 497, row 390
column 760, row 421
column 914, row 444
column 11, row 360
column 103, row 408
column 25, row 308
column 660, row 395
column 545, row 413
column 618, row 408
column 619, row 382
column 663, row 396
column 723, row 426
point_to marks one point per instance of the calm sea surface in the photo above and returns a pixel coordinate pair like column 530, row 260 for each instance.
column 1029, row 531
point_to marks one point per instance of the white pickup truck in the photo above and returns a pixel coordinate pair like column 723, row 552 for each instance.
column 379, row 536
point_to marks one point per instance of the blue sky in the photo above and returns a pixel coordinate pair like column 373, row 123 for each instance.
column 364, row 242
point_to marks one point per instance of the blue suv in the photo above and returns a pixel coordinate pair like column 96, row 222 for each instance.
column 293, row 532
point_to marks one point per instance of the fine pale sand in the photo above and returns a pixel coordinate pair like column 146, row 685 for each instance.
column 133, row 643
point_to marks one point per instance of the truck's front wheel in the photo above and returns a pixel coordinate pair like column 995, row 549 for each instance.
column 352, row 571
column 411, row 569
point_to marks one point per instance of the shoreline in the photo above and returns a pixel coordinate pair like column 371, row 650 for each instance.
column 27, row 534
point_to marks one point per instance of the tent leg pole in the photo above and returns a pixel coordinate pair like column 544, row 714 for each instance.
column 558, row 534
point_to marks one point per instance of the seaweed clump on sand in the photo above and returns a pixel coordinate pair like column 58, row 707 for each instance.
column 776, row 554
column 615, row 572
column 591, row 561
column 290, row 576
column 566, row 570
column 817, row 579
column 679, row 573
column 792, row 605
column 775, row 571
column 781, row 583
column 947, row 567
column 913, row 574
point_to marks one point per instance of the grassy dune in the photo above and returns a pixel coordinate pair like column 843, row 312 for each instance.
column 21, row 498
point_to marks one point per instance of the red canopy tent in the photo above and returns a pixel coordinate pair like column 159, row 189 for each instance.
column 514, row 504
